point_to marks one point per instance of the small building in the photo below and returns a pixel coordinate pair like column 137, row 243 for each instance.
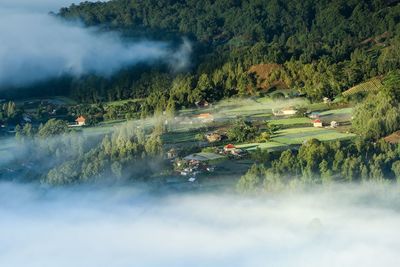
column 238, row 152
column 81, row 121
column 229, row 148
column 327, row 100
column 205, row 117
column 202, row 103
column 317, row 123
column 289, row 111
column 172, row 153
column 334, row 124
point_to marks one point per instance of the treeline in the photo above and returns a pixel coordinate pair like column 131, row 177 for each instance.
column 323, row 46
column 10, row 113
column 369, row 157
column 320, row 163
column 64, row 156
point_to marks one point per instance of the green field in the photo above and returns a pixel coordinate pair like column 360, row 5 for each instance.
column 339, row 115
column 266, row 145
column 121, row 102
column 57, row 100
column 296, row 136
column 179, row 137
column 337, row 111
column 291, row 121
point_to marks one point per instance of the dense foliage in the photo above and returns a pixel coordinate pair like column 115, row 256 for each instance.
column 323, row 47
column 379, row 114
column 66, row 156
column 316, row 162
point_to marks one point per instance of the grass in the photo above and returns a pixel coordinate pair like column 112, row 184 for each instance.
column 266, row 145
column 291, row 121
column 98, row 130
column 121, row 102
column 340, row 115
column 210, row 156
column 179, row 137
column 296, row 136
column 337, row 111
column 60, row 100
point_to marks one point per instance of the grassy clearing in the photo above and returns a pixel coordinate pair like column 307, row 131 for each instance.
column 56, row 100
column 210, row 156
column 299, row 135
column 98, row 130
column 340, row 115
column 291, row 121
column 179, row 137
column 121, row 102
column 266, row 145
column 337, row 111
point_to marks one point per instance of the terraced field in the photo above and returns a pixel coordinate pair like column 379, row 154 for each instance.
column 291, row 121
column 296, row 136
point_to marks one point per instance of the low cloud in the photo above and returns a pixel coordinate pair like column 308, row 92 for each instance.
column 123, row 226
column 42, row 6
column 36, row 46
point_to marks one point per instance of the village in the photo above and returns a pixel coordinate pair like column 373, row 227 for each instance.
column 197, row 141
column 207, row 129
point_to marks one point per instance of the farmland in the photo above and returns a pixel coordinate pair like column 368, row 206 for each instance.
column 297, row 136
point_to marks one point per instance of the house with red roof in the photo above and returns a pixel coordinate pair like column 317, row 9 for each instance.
column 81, row 121
column 317, row 123
column 229, row 148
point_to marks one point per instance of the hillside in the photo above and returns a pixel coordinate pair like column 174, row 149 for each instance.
column 228, row 37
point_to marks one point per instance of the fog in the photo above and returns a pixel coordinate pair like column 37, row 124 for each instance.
column 123, row 226
column 36, row 46
column 40, row 5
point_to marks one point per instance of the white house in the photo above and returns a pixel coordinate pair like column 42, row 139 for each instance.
column 317, row 123
column 285, row 112
column 334, row 124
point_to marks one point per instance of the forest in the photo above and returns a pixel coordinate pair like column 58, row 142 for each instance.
column 319, row 46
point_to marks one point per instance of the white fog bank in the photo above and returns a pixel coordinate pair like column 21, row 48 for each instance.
column 36, row 46
column 117, row 227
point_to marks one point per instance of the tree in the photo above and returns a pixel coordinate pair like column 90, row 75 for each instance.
column 53, row 127
column 242, row 131
column 396, row 169
column 251, row 181
column 382, row 110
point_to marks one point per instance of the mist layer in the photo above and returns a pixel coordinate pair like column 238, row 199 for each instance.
column 36, row 46
column 357, row 226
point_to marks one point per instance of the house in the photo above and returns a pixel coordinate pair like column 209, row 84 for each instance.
column 81, row 121
column 172, row 153
column 327, row 100
column 202, row 103
column 238, row 152
column 205, row 117
column 229, row 148
column 289, row 111
column 334, row 124
column 317, row 123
